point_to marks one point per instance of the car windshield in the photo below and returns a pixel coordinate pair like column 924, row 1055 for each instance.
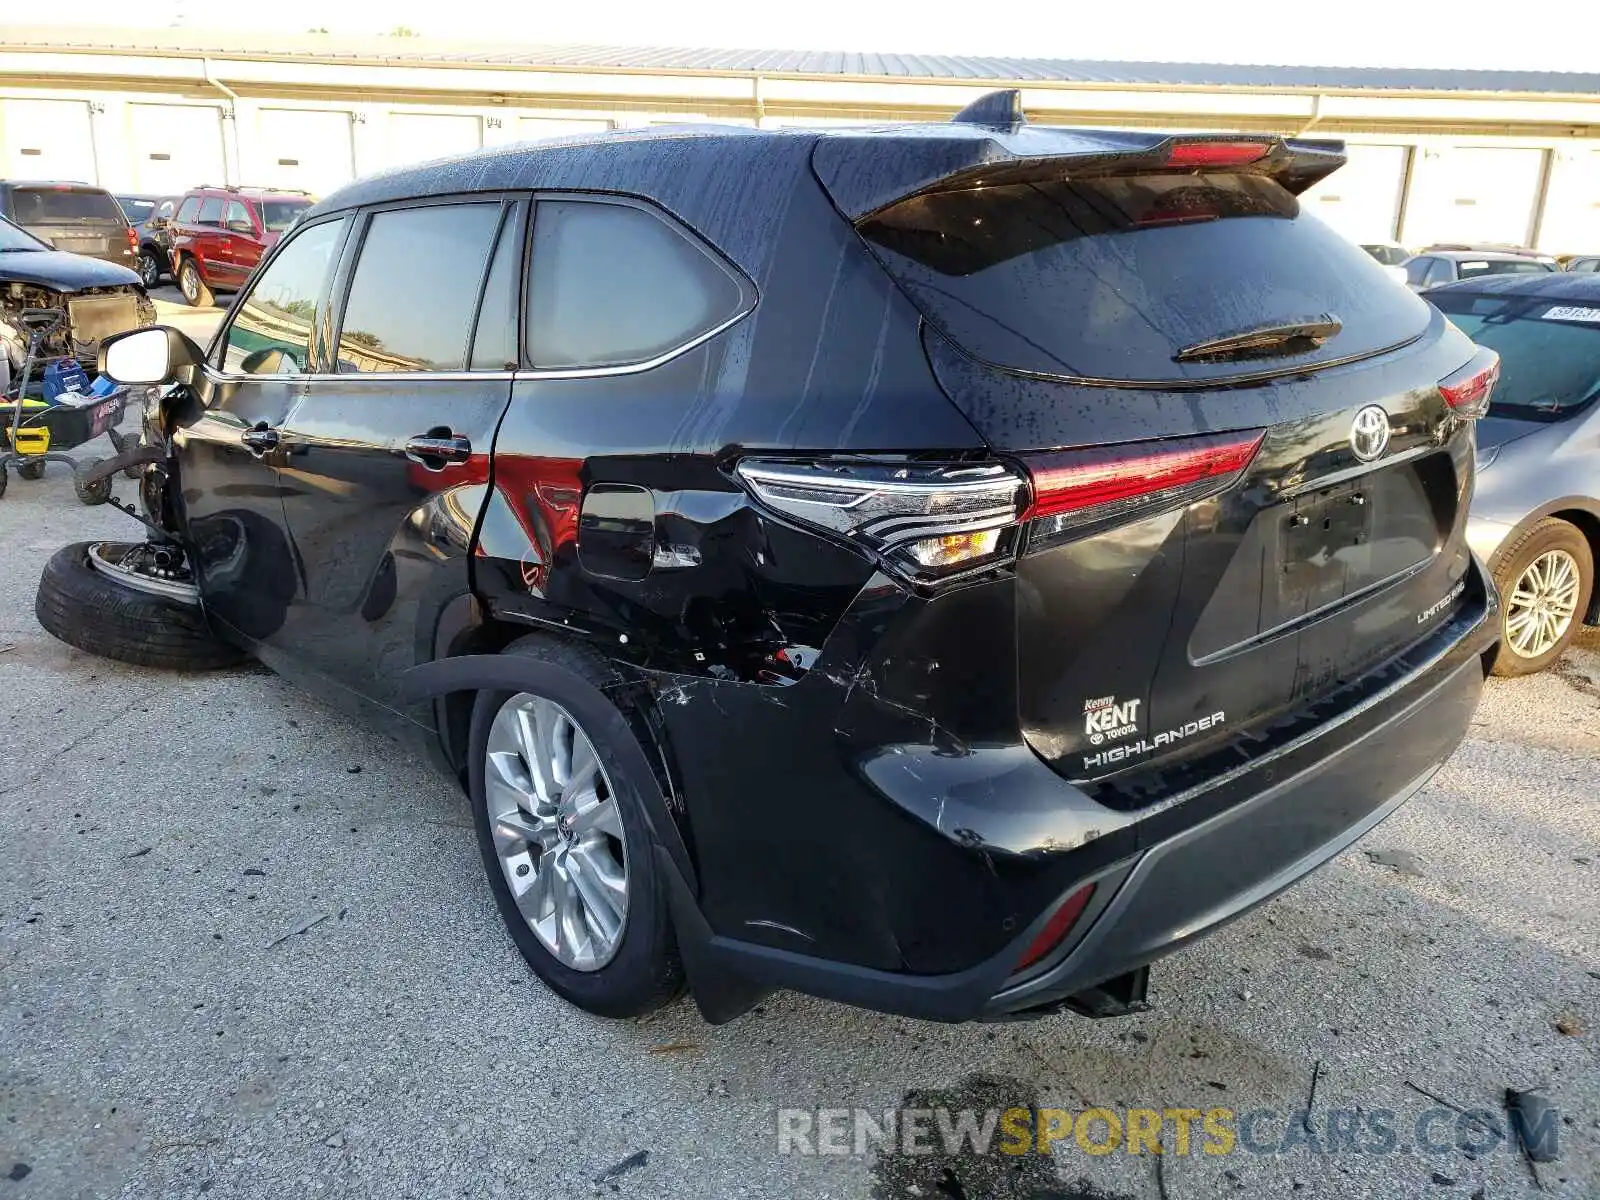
column 43, row 206
column 12, row 238
column 1471, row 268
column 278, row 215
column 136, row 210
column 1549, row 350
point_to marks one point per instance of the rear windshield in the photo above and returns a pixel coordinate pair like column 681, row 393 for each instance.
column 278, row 215
column 136, row 210
column 1472, row 268
column 40, row 206
column 1110, row 279
column 1549, row 350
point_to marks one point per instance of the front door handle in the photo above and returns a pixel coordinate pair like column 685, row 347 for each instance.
column 260, row 441
column 438, row 449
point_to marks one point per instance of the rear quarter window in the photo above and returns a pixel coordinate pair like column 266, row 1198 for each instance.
column 1110, row 279
column 615, row 285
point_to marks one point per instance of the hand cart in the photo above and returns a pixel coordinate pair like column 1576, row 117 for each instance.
column 39, row 430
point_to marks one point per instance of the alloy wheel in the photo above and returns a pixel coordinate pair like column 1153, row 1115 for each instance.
column 557, row 831
column 1542, row 603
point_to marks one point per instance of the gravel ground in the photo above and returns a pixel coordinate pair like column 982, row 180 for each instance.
column 246, row 950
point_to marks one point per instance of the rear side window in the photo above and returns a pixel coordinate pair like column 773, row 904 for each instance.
column 271, row 334
column 415, row 288
column 1115, row 278
column 615, row 285
column 40, row 206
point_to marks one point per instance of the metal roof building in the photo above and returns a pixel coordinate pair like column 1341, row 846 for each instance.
column 1502, row 156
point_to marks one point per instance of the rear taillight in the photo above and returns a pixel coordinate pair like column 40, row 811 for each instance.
column 925, row 522
column 1192, row 155
column 133, row 240
column 930, row 523
column 1467, row 391
column 1057, row 927
column 1077, row 488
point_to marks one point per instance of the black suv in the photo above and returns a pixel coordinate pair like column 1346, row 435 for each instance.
column 942, row 568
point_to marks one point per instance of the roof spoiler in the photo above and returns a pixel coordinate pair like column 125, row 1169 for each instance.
column 990, row 141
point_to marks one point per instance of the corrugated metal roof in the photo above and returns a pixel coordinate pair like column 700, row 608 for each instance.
column 921, row 67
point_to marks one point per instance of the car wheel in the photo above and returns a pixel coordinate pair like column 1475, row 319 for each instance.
column 194, row 288
column 1545, row 577
column 33, row 470
column 561, row 825
column 106, row 612
column 149, row 269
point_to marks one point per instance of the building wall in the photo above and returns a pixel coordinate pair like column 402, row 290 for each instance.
column 1422, row 169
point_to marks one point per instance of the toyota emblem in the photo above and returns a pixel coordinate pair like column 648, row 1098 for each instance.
column 1369, row 433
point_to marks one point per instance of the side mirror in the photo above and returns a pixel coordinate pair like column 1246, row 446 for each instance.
column 158, row 354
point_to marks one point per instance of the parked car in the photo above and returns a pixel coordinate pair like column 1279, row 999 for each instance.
column 1434, row 267
column 99, row 298
column 219, row 234
column 1390, row 257
column 149, row 216
column 73, row 217
column 1536, row 516
column 941, row 568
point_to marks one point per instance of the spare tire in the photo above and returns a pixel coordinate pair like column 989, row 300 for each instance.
column 91, row 610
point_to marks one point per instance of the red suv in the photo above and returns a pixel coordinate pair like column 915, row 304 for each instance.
column 220, row 233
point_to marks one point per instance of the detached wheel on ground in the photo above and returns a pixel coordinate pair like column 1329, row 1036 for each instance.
column 561, row 825
column 194, row 288
column 1545, row 577
column 30, row 470
column 117, row 607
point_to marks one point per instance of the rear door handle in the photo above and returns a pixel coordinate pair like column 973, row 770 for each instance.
column 438, row 449
column 260, row 441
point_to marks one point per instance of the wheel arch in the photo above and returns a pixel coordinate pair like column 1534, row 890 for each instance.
column 473, row 659
column 1581, row 512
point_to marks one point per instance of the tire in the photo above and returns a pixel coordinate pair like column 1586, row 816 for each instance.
column 149, row 268
column 192, row 286
column 643, row 971
column 1557, row 546
column 88, row 609
column 89, row 493
column 33, row 470
column 5, row 477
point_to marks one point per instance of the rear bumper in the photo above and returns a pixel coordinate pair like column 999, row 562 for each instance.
column 1186, row 865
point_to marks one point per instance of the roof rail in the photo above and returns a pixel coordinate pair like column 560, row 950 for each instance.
column 248, row 187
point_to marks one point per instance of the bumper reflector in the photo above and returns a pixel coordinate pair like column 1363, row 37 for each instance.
column 1057, row 927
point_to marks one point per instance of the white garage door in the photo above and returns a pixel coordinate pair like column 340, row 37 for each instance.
column 174, row 147
column 303, row 148
column 47, row 139
column 532, row 128
column 1485, row 194
column 417, row 137
column 1362, row 198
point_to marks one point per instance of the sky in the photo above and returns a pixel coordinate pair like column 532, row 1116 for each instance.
column 1560, row 35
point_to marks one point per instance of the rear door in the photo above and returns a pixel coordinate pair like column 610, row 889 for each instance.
column 80, row 220
column 386, row 456
column 1249, row 489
